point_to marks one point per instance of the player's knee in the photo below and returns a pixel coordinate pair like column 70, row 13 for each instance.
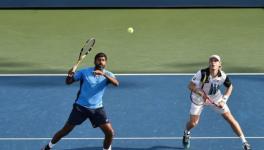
column 193, row 123
column 66, row 129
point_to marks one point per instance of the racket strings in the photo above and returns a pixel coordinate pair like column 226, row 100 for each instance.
column 86, row 48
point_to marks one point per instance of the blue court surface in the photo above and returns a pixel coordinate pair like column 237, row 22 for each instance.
column 148, row 112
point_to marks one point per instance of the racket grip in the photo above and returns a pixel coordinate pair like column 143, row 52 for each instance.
column 74, row 68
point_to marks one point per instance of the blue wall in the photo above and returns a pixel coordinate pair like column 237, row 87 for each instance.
column 130, row 3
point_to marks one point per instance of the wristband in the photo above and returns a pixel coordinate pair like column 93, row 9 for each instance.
column 225, row 98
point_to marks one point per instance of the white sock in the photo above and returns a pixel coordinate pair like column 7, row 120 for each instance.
column 187, row 132
column 110, row 148
column 243, row 139
column 51, row 145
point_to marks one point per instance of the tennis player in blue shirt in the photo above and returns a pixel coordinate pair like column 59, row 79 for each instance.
column 89, row 104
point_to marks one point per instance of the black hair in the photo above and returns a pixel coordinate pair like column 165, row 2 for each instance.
column 100, row 55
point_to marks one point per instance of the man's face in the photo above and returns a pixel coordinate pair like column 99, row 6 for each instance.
column 214, row 63
column 100, row 62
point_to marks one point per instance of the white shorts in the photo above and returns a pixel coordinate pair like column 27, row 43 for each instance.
column 197, row 109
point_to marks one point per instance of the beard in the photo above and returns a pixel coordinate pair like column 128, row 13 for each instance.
column 101, row 67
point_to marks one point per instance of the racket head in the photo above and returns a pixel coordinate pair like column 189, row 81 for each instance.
column 197, row 99
column 88, row 46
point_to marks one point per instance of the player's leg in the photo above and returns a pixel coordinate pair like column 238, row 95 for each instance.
column 227, row 115
column 233, row 123
column 76, row 117
column 67, row 128
column 109, row 134
column 236, row 128
column 99, row 118
column 63, row 132
column 193, row 121
column 195, row 112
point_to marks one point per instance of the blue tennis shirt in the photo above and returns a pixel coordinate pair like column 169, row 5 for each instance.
column 92, row 87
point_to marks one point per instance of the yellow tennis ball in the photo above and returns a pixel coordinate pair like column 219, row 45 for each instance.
column 130, row 30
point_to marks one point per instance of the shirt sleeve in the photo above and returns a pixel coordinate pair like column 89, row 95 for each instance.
column 110, row 74
column 77, row 76
column 197, row 78
column 227, row 82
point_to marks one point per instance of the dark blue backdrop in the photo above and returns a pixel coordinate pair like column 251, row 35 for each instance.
column 130, row 3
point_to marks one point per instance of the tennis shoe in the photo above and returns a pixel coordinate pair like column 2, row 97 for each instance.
column 246, row 146
column 186, row 142
column 46, row 147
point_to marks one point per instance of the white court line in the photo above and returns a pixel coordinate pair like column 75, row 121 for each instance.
column 133, row 74
column 125, row 138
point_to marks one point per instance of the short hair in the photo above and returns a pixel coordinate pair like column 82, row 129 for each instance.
column 100, row 55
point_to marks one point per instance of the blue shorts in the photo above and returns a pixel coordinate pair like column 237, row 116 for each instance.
column 79, row 114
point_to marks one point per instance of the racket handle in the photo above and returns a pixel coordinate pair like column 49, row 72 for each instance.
column 74, row 68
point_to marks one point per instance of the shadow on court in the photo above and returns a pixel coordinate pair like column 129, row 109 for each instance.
column 122, row 148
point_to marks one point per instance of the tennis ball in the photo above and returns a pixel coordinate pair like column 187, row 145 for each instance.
column 130, row 30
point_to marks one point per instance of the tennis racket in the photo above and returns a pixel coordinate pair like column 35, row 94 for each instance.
column 202, row 100
column 86, row 49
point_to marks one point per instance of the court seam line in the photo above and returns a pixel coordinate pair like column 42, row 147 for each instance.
column 134, row 74
column 126, row 138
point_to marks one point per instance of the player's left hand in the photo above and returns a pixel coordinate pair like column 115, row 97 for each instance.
column 221, row 104
column 98, row 72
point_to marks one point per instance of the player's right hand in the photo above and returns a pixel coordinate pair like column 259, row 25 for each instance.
column 199, row 92
column 71, row 72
